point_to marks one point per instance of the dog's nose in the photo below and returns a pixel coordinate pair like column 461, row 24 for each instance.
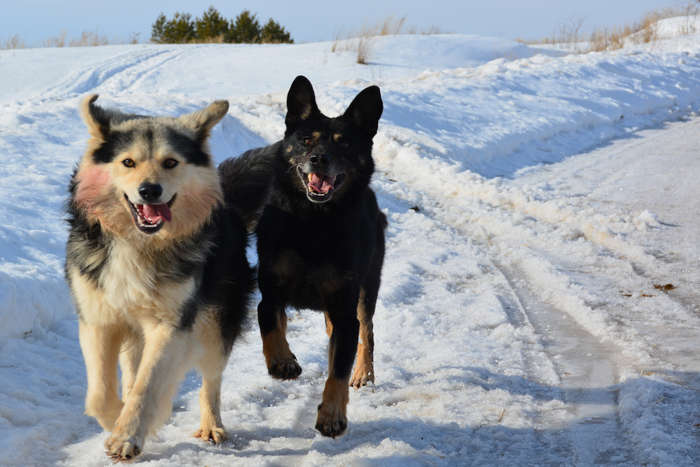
column 318, row 159
column 150, row 191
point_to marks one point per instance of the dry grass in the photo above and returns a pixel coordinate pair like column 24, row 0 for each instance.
column 57, row 41
column 362, row 42
column 12, row 42
column 89, row 39
column 86, row 39
column 642, row 32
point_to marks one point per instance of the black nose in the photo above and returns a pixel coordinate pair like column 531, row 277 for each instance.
column 150, row 192
column 318, row 159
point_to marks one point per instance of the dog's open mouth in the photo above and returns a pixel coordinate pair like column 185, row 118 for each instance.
column 149, row 218
column 319, row 187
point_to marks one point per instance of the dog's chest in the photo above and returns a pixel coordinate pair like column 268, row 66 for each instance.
column 132, row 283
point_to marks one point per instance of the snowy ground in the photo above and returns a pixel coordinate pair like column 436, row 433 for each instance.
column 538, row 205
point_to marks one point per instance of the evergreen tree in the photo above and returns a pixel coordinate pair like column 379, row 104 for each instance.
column 158, row 30
column 180, row 29
column 245, row 28
column 273, row 32
column 211, row 25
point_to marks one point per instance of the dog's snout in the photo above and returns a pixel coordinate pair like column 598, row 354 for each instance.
column 319, row 159
column 150, row 191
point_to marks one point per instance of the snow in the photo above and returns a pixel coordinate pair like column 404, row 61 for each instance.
column 538, row 205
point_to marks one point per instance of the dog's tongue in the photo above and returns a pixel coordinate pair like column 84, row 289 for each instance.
column 156, row 212
column 320, row 184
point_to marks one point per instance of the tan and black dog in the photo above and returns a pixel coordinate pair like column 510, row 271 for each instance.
column 156, row 263
column 320, row 238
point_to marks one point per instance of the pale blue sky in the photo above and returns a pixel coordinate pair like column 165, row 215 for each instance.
column 314, row 20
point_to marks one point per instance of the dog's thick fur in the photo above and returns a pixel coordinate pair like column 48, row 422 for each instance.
column 320, row 238
column 156, row 263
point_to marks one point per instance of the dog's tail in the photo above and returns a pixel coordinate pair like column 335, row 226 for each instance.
column 246, row 181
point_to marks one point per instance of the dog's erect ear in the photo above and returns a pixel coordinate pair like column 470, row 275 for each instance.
column 301, row 102
column 204, row 120
column 96, row 118
column 366, row 109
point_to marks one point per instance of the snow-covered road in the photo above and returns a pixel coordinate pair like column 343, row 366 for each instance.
column 529, row 314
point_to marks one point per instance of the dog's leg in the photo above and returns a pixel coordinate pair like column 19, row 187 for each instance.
column 281, row 362
column 162, row 366
column 100, row 346
column 129, row 358
column 211, row 366
column 332, row 420
column 329, row 325
column 364, row 364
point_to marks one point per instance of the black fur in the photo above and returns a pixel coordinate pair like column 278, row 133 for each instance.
column 112, row 146
column 190, row 148
column 246, row 180
column 312, row 254
column 117, row 140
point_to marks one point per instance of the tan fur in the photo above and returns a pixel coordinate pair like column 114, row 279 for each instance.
column 333, row 409
column 364, row 361
column 197, row 191
column 129, row 359
column 211, row 368
column 100, row 346
column 275, row 345
column 329, row 324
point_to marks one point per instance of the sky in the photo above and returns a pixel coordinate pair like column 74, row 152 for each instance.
column 316, row 20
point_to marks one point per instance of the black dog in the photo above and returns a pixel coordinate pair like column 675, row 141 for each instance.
column 320, row 239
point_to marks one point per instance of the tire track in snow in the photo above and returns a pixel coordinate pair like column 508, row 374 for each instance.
column 588, row 385
column 122, row 70
column 562, row 264
column 592, row 432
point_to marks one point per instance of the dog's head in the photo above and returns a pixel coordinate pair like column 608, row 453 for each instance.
column 329, row 157
column 149, row 176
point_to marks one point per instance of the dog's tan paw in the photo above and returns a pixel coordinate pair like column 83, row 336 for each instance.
column 361, row 376
column 331, row 420
column 212, row 434
column 122, row 449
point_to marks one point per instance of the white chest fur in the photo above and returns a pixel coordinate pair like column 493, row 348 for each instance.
column 130, row 288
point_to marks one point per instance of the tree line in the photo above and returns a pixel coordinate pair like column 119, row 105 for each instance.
column 212, row 27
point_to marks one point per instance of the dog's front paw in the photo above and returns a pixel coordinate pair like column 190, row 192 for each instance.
column 122, row 448
column 331, row 420
column 361, row 376
column 213, row 434
column 287, row 368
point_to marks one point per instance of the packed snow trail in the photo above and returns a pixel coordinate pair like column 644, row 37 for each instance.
column 524, row 320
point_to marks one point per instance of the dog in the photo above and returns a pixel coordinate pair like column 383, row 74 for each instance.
column 320, row 238
column 157, row 268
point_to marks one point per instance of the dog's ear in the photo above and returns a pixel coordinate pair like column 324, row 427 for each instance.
column 301, row 102
column 204, row 120
column 96, row 118
column 366, row 109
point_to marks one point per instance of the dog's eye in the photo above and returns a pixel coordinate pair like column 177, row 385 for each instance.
column 170, row 163
column 129, row 163
column 308, row 141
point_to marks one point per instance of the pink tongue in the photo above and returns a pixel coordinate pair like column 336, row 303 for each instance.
column 320, row 184
column 156, row 212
